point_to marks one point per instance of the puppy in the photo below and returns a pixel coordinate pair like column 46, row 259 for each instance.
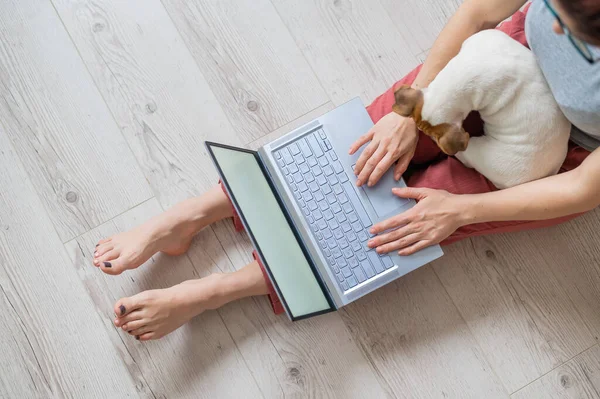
column 526, row 134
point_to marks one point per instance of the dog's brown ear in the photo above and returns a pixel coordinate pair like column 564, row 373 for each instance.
column 409, row 102
column 452, row 138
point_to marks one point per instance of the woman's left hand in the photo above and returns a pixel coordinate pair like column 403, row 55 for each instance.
column 436, row 216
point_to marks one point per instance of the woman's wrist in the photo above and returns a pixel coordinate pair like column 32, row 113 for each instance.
column 466, row 209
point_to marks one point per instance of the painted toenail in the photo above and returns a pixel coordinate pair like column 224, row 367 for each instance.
column 107, row 264
column 122, row 309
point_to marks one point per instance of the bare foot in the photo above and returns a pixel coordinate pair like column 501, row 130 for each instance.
column 170, row 232
column 130, row 249
column 155, row 313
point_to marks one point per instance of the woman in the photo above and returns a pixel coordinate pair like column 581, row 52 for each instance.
column 454, row 202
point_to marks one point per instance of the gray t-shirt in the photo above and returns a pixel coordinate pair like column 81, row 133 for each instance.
column 575, row 83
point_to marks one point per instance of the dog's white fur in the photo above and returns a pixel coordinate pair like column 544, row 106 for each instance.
column 526, row 134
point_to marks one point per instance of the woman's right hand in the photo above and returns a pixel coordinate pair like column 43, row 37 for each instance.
column 393, row 138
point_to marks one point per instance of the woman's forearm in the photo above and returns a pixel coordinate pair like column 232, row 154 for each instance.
column 556, row 196
column 471, row 17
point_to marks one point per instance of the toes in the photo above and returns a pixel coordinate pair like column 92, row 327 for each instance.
column 127, row 305
column 102, row 249
column 132, row 325
column 104, row 240
column 146, row 337
column 108, row 256
column 128, row 318
column 140, row 331
column 112, row 266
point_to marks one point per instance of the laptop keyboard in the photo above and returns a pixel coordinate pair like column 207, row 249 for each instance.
column 331, row 208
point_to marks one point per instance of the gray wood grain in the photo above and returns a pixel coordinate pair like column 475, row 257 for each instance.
column 199, row 359
column 517, row 309
column 420, row 21
column 63, row 132
column 250, row 61
column 52, row 342
column 352, row 45
column 572, row 254
column 418, row 342
column 579, row 378
column 154, row 89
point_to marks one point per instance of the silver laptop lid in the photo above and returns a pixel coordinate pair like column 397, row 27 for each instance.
column 277, row 243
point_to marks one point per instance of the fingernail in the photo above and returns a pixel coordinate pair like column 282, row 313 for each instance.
column 371, row 243
column 122, row 309
column 116, row 322
column 95, row 253
column 137, row 337
column 372, row 230
column 107, row 264
column 358, row 182
column 123, row 327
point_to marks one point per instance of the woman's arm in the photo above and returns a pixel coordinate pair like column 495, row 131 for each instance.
column 561, row 195
column 471, row 17
column 438, row 213
column 394, row 138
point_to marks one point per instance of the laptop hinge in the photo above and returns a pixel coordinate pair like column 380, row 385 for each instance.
column 286, row 212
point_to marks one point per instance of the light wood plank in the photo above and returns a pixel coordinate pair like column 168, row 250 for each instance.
column 53, row 343
column 572, row 254
column 199, row 359
column 250, row 61
column 420, row 21
column 321, row 358
column 516, row 308
column 421, row 347
column 154, row 88
column 63, row 132
column 578, row 378
column 352, row 45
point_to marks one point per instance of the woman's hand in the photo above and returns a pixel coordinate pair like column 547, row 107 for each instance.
column 393, row 138
column 437, row 215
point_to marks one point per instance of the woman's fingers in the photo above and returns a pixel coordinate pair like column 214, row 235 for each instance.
column 391, row 223
column 401, row 166
column 390, row 236
column 399, row 244
column 382, row 167
column 370, row 165
column 362, row 140
column 364, row 157
column 417, row 246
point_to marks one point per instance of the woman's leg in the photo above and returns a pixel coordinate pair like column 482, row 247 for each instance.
column 155, row 313
column 170, row 232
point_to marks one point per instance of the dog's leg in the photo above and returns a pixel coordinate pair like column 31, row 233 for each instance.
column 492, row 159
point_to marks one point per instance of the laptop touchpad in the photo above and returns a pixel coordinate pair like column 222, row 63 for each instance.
column 381, row 197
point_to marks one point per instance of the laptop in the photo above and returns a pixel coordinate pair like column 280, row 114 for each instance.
column 307, row 220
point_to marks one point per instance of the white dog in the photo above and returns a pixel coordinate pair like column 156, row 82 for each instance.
column 526, row 134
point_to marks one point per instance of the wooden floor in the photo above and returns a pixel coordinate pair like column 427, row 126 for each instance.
column 104, row 107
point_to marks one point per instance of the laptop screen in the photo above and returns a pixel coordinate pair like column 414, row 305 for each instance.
column 270, row 230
